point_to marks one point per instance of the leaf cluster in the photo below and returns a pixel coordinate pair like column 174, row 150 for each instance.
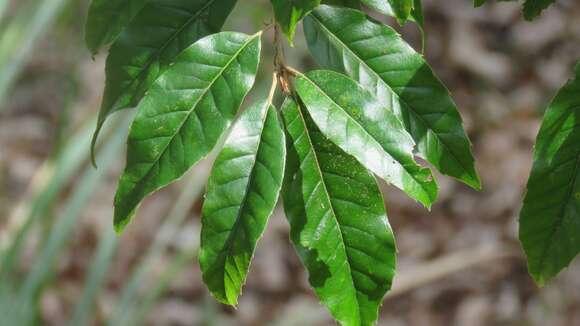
column 371, row 109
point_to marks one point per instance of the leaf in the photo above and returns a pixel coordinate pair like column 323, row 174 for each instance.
column 386, row 8
column 373, row 54
column 184, row 115
column 478, row 3
column 289, row 13
column 338, row 222
column 402, row 9
column 106, row 19
column 343, row 3
column 150, row 44
column 550, row 217
column 241, row 195
column 360, row 125
column 533, row 8
column 416, row 14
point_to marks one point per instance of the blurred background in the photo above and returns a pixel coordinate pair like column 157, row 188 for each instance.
column 460, row 264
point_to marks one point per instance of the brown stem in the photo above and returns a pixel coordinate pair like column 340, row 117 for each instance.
column 282, row 70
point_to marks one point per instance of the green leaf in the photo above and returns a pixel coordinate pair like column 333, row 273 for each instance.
column 289, row 13
column 478, row 3
column 343, row 3
column 107, row 18
column 352, row 118
column 550, row 217
column 402, row 9
column 184, row 114
column 241, row 195
column 338, row 222
column 348, row 41
column 416, row 14
column 386, row 9
column 533, row 8
column 150, row 44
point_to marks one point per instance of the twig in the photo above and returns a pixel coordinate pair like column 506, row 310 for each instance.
column 280, row 63
column 273, row 87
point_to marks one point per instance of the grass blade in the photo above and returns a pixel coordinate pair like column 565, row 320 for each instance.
column 95, row 279
column 60, row 233
column 28, row 27
column 53, row 176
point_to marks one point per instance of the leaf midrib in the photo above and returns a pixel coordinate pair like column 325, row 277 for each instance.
column 234, row 230
column 196, row 103
column 401, row 100
column 323, row 183
column 412, row 175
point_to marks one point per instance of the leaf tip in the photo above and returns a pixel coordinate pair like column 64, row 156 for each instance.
column 473, row 180
column 119, row 228
column 225, row 299
column 94, row 142
column 120, row 221
column 290, row 38
column 93, row 50
column 428, row 201
column 539, row 279
column 93, row 158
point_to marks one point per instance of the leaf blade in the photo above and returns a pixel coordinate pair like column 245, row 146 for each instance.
column 550, row 216
column 330, row 225
column 416, row 14
column 533, row 8
column 289, row 13
column 408, row 84
column 241, row 195
column 150, row 44
column 363, row 127
column 402, row 9
column 208, row 82
column 385, row 8
column 478, row 3
column 106, row 19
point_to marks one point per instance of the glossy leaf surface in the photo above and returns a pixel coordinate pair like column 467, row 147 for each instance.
column 338, row 222
column 352, row 118
column 550, row 217
column 241, row 195
column 107, row 18
column 150, row 44
column 348, row 41
column 184, row 115
column 290, row 12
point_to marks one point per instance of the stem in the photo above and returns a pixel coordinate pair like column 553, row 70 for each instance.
column 292, row 71
column 282, row 70
column 273, row 87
